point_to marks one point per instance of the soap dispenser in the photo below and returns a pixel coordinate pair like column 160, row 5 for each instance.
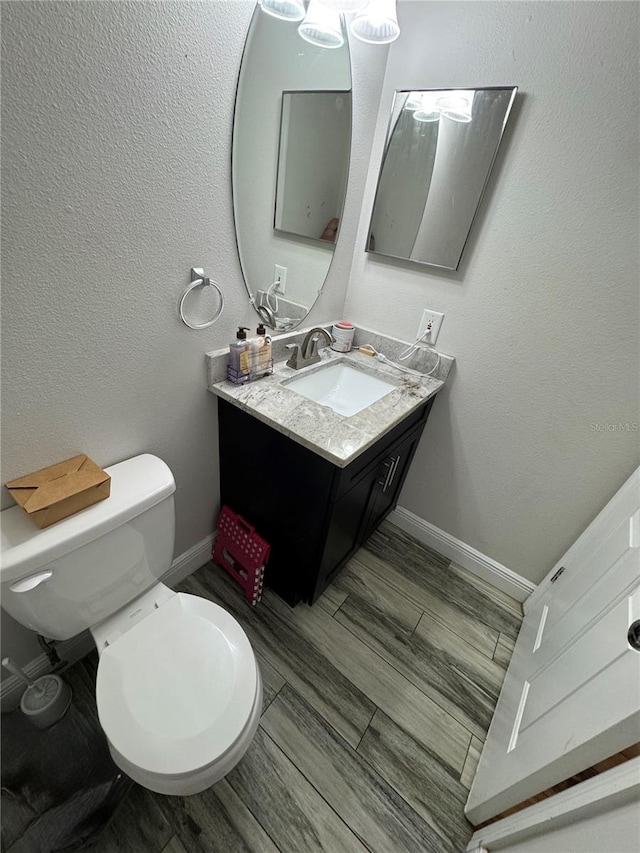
column 238, row 371
column 264, row 349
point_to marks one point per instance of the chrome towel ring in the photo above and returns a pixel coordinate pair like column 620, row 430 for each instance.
column 199, row 279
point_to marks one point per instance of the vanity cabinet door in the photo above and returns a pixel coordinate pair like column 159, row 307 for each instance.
column 355, row 515
column 390, row 478
column 346, row 523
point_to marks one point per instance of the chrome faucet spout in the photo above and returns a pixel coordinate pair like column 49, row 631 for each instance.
column 310, row 343
column 307, row 353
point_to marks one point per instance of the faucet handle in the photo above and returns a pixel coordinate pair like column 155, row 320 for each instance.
column 295, row 360
column 313, row 347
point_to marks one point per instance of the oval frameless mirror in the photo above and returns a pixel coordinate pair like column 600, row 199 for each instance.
column 291, row 144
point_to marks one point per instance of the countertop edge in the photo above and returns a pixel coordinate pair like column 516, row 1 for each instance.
column 220, row 391
column 337, row 438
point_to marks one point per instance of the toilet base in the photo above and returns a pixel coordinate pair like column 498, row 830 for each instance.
column 195, row 783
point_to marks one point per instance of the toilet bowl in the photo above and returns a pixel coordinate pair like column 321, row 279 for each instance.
column 178, row 689
column 179, row 694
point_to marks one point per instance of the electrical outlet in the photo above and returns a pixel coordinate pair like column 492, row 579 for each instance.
column 434, row 320
column 280, row 275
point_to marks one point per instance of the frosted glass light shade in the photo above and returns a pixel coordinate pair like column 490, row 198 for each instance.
column 457, row 105
column 427, row 109
column 413, row 102
column 321, row 26
column 344, row 5
column 377, row 23
column 286, row 10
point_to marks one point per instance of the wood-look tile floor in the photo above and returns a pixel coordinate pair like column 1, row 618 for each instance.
column 376, row 704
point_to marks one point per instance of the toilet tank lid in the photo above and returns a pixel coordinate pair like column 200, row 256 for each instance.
column 136, row 485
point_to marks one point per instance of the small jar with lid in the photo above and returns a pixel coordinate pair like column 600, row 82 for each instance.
column 342, row 334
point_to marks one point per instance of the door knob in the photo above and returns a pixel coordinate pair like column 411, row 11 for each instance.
column 633, row 635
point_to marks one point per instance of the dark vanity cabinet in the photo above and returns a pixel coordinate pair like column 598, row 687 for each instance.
column 315, row 514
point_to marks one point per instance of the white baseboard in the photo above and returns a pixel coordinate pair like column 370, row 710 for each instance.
column 77, row 647
column 464, row 555
column 189, row 562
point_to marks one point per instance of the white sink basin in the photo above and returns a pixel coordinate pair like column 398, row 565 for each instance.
column 341, row 387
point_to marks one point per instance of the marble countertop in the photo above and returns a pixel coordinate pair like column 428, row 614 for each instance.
column 335, row 437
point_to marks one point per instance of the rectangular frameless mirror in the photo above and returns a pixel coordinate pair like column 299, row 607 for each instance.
column 313, row 162
column 441, row 146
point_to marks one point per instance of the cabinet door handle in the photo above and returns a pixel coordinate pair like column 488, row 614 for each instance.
column 388, row 463
column 393, row 467
column 396, row 463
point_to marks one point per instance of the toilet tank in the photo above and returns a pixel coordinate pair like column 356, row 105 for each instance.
column 68, row 577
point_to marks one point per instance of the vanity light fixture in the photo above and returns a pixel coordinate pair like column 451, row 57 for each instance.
column 457, row 106
column 345, row 5
column 427, row 109
column 322, row 26
column 377, row 23
column 286, row 10
column 413, row 102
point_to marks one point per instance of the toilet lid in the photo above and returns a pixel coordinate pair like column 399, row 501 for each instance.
column 175, row 691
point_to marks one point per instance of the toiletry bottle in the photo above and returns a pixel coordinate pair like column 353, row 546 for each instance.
column 238, row 368
column 264, row 348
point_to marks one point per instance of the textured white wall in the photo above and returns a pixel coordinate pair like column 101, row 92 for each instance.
column 543, row 312
column 116, row 123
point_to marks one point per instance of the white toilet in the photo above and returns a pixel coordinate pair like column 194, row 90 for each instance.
column 178, row 691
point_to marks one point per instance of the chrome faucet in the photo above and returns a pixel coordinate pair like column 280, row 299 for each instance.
column 307, row 353
column 267, row 316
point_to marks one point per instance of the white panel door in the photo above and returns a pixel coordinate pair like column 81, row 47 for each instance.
column 571, row 696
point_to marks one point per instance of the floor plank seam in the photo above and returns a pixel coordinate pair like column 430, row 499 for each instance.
column 338, row 609
column 319, row 793
column 461, row 636
column 248, row 808
column 438, row 566
column 275, row 668
column 366, row 730
column 389, row 583
column 400, row 794
column 432, row 614
column 393, row 787
column 402, row 675
column 272, row 700
column 469, row 680
column 466, row 758
column 381, row 777
column 422, row 615
column 495, row 648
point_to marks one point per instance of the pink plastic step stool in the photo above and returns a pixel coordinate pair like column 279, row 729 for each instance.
column 242, row 552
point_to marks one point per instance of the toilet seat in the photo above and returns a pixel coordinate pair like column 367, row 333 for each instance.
column 176, row 690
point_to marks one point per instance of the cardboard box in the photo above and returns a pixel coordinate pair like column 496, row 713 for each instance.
column 56, row 492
